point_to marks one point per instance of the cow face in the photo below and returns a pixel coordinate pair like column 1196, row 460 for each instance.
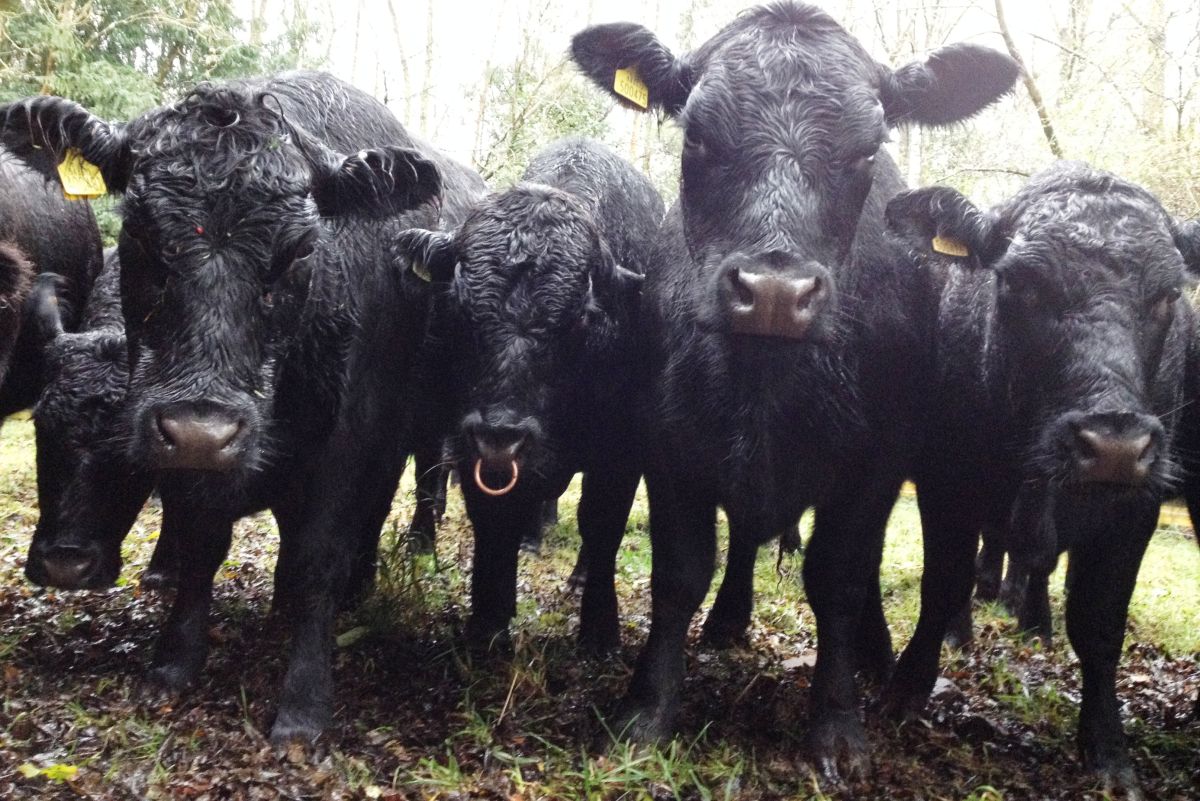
column 227, row 209
column 88, row 496
column 1087, row 324
column 533, row 304
column 783, row 114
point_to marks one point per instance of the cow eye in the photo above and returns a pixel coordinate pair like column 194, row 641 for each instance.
column 692, row 142
column 1164, row 305
column 1023, row 293
column 860, row 164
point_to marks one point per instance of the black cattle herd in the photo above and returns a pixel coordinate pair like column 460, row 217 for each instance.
column 304, row 294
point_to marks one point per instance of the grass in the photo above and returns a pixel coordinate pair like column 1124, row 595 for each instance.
column 417, row 718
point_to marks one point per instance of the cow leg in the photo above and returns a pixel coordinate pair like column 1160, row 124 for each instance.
column 1100, row 580
column 531, row 541
column 960, row 629
column 163, row 570
column 840, row 564
column 950, row 540
column 578, row 578
column 321, row 528
column 875, row 656
column 377, row 497
column 1014, row 587
column 182, row 647
column 684, row 541
column 789, row 539
column 603, row 511
column 1034, row 615
column 990, row 564
column 431, row 496
column 500, row 526
column 729, row 619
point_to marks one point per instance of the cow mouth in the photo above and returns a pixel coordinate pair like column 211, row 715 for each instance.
column 495, row 493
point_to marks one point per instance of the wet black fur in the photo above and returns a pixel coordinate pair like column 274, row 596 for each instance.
column 255, row 278
column 1069, row 305
column 40, row 231
column 538, row 327
column 89, row 493
column 784, row 114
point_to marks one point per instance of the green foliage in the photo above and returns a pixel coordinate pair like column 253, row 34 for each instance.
column 120, row 57
column 525, row 106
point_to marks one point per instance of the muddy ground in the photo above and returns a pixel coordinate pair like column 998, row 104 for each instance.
column 416, row 719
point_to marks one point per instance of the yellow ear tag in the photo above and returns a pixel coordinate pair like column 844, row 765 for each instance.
column 421, row 270
column 950, row 247
column 81, row 180
column 629, row 85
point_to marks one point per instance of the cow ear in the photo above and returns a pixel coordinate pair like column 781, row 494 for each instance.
column 431, row 255
column 376, row 183
column 602, row 50
column 953, row 84
column 41, row 130
column 1187, row 239
column 940, row 223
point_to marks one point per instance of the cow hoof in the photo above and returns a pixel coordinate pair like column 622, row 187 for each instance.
column 420, row 542
column 158, row 580
column 642, row 725
column 987, row 589
column 577, row 580
column 1120, row 781
column 959, row 639
column 1039, row 633
column 838, row 748
column 599, row 640
column 486, row 639
column 167, row 682
column 295, row 728
column 722, row 635
column 902, row 707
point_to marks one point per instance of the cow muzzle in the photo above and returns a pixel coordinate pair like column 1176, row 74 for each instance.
column 207, row 438
column 762, row 300
column 499, row 446
column 1120, row 449
column 70, row 566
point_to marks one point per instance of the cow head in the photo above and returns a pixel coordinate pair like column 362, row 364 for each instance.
column 1087, row 324
column 16, row 274
column 88, row 495
column 784, row 114
column 534, row 302
column 227, row 205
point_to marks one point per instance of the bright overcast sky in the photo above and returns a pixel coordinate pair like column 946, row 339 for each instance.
column 365, row 45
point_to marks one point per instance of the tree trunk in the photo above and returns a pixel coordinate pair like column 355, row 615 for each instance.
column 427, row 79
column 1030, row 85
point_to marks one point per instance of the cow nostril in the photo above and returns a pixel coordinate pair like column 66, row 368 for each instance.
column 1145, row 448
column 164, row 430
column 1087, row 443
column 808, row 292
column 741, row 290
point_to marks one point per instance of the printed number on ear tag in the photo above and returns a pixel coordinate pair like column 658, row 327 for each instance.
column 950, row 247
column 81, row 180
column 629, row 85
column 421, row 270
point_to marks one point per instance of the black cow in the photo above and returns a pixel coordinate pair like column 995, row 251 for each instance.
column 270, row 336
column 1061, row 365
column 40, row 231
column 542, row 286
column 89, row 492
column 785, row 337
